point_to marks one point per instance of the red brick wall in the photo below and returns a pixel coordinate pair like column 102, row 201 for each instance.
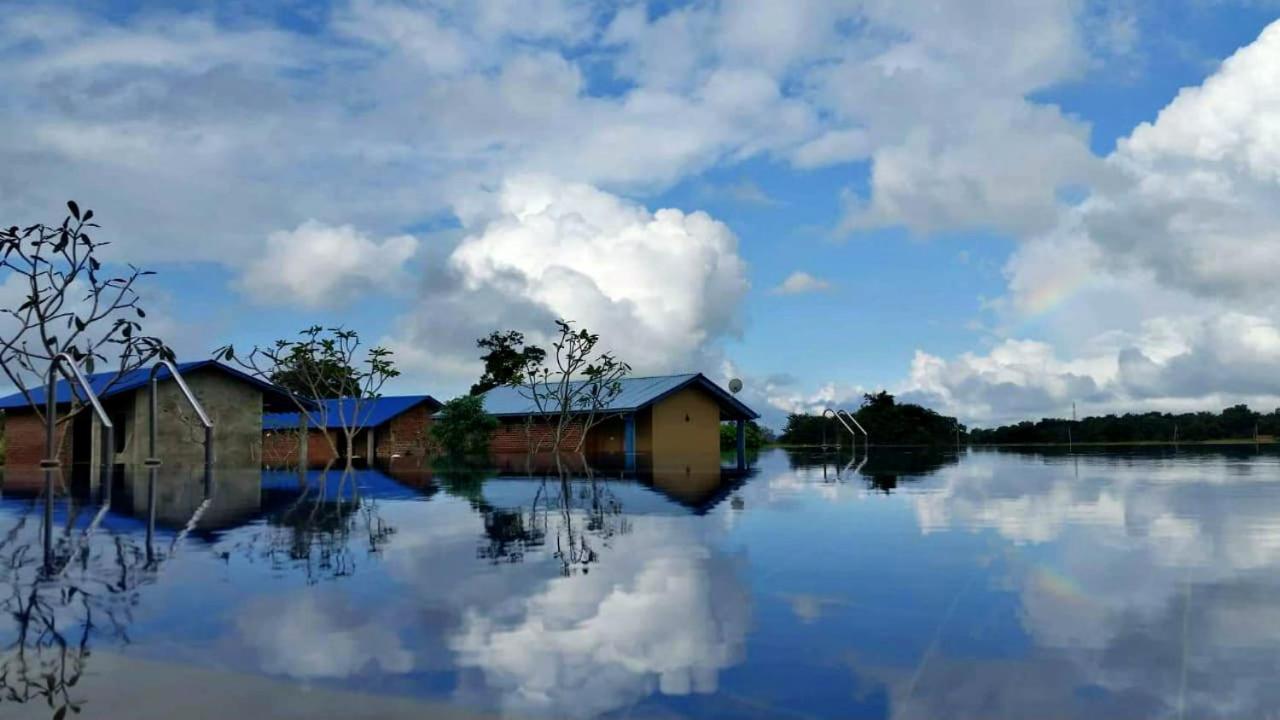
column 24, row 441
column 406, row 435
column 281, row 448
column 510, row 437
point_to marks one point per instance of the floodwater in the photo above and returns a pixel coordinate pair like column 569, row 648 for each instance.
column 1129, row 584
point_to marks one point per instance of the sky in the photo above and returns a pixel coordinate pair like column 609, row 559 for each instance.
column 996, row 209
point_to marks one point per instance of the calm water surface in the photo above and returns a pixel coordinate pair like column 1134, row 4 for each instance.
column 1139, row 584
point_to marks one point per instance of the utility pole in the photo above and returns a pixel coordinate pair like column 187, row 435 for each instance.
column 1071, row 445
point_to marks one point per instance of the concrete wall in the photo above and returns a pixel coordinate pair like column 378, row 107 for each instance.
column 234, row 406
column 686, row 429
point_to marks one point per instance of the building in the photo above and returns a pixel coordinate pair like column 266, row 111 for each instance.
column 390, row 427
column 661, row 418
column 234, row 401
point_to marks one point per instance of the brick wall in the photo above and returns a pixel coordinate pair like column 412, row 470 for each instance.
column 407, row 434
column 24, row 441
column 509, row 437
column 281, row 448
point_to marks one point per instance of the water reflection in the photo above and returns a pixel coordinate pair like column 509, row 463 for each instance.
column 916, row 585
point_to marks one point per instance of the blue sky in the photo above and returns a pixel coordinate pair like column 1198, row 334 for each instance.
column 993, row 210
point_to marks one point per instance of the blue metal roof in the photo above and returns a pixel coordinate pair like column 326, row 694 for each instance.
column 130, row 381
column 373, row 411
column 636, row 393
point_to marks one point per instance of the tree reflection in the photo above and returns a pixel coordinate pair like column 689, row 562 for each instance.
column 321, row 527
column 573, row 508
column 883, row 469
column 61, row 594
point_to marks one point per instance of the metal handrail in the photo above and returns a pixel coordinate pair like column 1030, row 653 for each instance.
column 75, row 375
column 866, row 437
column 191, row 400
column 835, row 414
column 71, row 371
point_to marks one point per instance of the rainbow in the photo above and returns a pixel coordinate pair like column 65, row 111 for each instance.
column 1050, row 294
column 1059, row 585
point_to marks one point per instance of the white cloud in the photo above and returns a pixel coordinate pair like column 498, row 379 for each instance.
column 1157, row 291
column 389, row 113
column 668, row 618
column 1189, row 572
column 661, row 287
column 800, row 282
column 311, row 636
column 318, row 265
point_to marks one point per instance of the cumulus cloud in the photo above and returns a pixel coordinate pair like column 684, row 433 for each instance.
column 668, row 617
column 385, row 113
column 1155, row 292
column 659, row 286
column 1196, row 363
column 800, row 282
column 311, row 636
column 1171, row 622
column 316, row 264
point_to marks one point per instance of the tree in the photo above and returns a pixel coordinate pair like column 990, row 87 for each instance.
column 576, row 390
column 304, row 366
column 757, row 436
column 888, row 421
column 506, row 360
column 323, row 364
column 71, row 305
column 462, row 427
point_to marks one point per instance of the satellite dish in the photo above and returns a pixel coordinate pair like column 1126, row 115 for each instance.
column 735, row 386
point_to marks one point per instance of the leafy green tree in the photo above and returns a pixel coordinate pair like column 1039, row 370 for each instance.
column 322, row 364
column 575, row 389
column 506, row 361
column 462, row 427
column 757, row 436
column 1234, row 423
column 308, row 370
column 888, row 421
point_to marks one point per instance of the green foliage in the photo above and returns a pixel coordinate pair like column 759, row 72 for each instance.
column 576, row 387
column 462, row 427
column 1234, row 423
column 306, row 368
column 506, row 360
column 888, row 422
column 757, row 436
column 320, row 363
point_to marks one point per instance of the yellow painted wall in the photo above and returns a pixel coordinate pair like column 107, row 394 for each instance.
column 685, row 430
column 608, row 437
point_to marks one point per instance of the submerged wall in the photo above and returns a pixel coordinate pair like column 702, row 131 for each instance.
column 234, row 406
column 686, row 429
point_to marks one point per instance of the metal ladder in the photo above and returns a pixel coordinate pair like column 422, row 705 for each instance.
column 205, row 422
column 845, row 417
column 76, row 377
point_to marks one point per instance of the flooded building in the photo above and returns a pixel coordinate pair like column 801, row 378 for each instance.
column 234, row 401
column 389, row 427
column 666, row 417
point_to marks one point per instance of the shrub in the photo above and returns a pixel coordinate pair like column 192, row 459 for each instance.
column 462, row 427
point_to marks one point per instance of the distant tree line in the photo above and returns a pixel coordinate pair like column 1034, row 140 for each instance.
column 1234, row 423
column 888, row 422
